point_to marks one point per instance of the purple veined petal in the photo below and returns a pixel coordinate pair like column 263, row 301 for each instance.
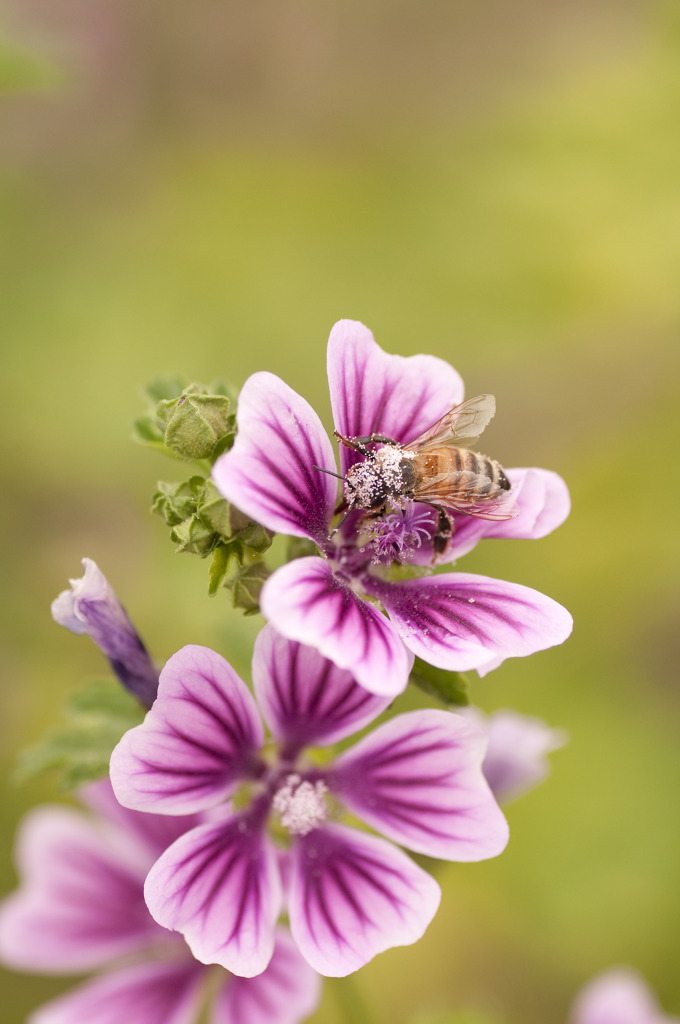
column 153, row 832
column 418, row 780
column 287, row 992
column 543, row 502
column 164, row 992
column 219, row 886
column 517, row 755
column 306, row 601
column 458, row 622
column 199, row 740
column 81, row 901
column 306, row 699
column 353, row 896
column 374, row 392
column 269, row 473
column 619, row 996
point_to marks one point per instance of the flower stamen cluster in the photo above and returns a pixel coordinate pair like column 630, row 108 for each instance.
column 301, row 804
column 394, row 536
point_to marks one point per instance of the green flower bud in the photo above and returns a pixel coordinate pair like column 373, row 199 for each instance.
column 194, row 536
column 196, row 423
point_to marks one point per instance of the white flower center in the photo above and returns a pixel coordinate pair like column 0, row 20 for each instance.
column 301, row 804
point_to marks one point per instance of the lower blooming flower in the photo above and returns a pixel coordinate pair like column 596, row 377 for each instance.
column 81, row 907
column 91, row 607
column 350, row 895
column 278, row 473
column 618, row 996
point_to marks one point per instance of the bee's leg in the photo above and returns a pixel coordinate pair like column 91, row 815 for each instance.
column 377, row 439
column 359, row 443
column 444, row 532
column 354, row 443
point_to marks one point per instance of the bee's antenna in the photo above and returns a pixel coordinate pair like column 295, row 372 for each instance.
column 329, row 471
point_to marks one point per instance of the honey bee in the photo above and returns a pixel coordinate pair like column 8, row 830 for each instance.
column 436, row 468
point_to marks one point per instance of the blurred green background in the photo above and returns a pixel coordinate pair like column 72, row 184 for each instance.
column 205, row 188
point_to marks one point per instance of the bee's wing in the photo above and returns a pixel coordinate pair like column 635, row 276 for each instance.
column 459, row 427
column 459, row 492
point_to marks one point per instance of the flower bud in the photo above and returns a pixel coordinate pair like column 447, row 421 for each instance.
column 91, row 606
column 195, row 423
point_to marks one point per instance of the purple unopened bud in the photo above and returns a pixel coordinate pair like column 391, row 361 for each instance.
column 91, row 606
column 516, row 757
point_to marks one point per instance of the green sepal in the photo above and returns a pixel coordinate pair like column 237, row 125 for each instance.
column 177, row 501
column 193, row 536
column 96, row 719
column 450, row 688
column 245, row 580
column 148, row 429
column 253, row 536
column 200, row 518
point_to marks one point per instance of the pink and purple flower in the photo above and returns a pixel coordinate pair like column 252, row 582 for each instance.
column 349, row 894
column 618, row 996
column 278, row 472
column 81, row 907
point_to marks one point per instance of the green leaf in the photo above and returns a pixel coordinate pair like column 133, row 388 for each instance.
column 145, row 430
column 79, row 752
column 218, row 568
column 451, row 688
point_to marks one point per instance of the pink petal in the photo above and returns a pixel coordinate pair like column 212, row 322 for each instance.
column 516, row 758
column 619, row 996
column 198, row 741
column 418, row 779
column 543, row 502
column 458, row 621
column 219, row 885
column 81, row 902
column 373, row 392
column 306, row 601
column 269, row 473
column 287, row 992
column 151, row 993
column 153, row 832
column 305, row 698
column 353, row 896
